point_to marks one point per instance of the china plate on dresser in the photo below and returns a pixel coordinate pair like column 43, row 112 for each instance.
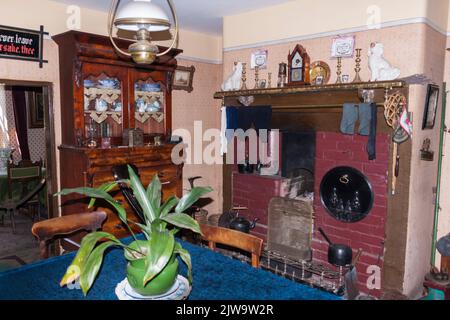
column 179, row 291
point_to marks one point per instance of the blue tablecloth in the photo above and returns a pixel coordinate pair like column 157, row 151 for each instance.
column 216, row 277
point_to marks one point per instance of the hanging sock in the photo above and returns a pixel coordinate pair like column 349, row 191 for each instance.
column 349, row 118
column 229, row 121
column 365, row 117
column 371, row 145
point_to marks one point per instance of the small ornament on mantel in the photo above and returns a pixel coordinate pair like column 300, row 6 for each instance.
column 299, row 67
column 339, row 71
column 282, row 75
column 233, row 82
column 380, row 68
column 244, row 77
column 256, row 77
column 358, row 66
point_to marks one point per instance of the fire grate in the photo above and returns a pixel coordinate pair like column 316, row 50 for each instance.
column 309, row 273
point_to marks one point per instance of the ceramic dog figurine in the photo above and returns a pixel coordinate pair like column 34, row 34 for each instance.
column 380, row 68
column 234, row 81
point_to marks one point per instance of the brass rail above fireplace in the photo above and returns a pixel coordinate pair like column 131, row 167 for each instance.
column 384, row 85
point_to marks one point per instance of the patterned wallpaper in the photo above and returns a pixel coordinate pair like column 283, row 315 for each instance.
column 36, row 137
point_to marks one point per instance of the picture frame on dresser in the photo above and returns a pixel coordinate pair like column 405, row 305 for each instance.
column 431, row 105
column 183, row 78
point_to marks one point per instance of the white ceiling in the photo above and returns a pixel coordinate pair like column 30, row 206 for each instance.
column 196, row 15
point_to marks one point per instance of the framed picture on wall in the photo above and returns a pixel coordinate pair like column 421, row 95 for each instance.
column 35, row 106
column 183, row 78
column 343, row 47
column 431, row 106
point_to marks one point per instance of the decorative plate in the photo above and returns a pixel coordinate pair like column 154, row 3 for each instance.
column 179, row 291
column 320, row 69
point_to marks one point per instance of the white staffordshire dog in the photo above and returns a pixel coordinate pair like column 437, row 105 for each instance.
column 234, row 81
column 380, row 68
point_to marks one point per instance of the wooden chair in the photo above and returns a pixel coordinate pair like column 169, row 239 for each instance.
column 233, row 238
column 47, row 230
column 12, row 206
column 445, row 264
column 25, row 173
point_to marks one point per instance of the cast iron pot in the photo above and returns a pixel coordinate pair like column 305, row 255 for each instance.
column 338, row 254
column 242, row 224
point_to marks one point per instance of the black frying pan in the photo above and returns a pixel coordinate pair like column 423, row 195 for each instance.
column 338, row 254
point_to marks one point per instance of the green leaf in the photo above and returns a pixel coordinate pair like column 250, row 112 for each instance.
column 170, row 203
column 186, row 257
column 147, row 230
column 121, row 212
column 154, row 194
column 141, row 196
column 90, row 192
column 107, row 187
column 160, row 250
column 92, row 266
column 87, row 245
column 183, row 221
column 100, row 193
column 190, row 198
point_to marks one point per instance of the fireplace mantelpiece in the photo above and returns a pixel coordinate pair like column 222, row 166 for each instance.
column 381, row 85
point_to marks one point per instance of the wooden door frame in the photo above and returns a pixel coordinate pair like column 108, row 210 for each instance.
column 50, row 143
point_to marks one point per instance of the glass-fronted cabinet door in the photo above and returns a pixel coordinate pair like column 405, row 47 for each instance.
column 150, row 104
column 105, row 105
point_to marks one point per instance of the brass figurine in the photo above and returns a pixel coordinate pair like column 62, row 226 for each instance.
column 256, row 77
column 358, row 66
column 339, row 71
column 244, row 76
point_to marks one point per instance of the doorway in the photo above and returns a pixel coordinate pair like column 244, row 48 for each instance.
column 27, row 134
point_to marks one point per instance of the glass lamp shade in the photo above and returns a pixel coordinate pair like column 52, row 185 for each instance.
column 141, row 14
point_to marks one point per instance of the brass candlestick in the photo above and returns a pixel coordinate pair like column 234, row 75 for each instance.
column 339, row 71
column 244, row 76
column 256, row 77
column 358, row 66
column 269, row 80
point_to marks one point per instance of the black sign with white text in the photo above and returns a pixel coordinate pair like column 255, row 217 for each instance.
column 22, row 44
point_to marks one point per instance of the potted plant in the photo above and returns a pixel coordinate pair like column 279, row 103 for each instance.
column 152, row 263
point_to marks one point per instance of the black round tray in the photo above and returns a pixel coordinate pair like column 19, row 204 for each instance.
column 348, row 183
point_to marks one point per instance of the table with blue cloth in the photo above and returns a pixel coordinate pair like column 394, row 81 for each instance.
column 215, row 277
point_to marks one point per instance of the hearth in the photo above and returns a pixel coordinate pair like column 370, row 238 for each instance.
column 359, row 221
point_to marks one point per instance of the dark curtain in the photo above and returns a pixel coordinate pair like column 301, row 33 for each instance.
column 20, row 115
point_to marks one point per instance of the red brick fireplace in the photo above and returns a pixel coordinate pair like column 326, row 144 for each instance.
column 332, row 150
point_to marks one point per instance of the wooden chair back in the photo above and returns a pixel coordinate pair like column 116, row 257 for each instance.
column 445, row 264
column 47, row 230
column 233, row 238
column 24, row 172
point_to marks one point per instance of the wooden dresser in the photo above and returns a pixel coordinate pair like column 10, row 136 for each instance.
column 103, row 96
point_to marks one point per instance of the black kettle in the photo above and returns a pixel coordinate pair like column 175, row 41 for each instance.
column 242, row 224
